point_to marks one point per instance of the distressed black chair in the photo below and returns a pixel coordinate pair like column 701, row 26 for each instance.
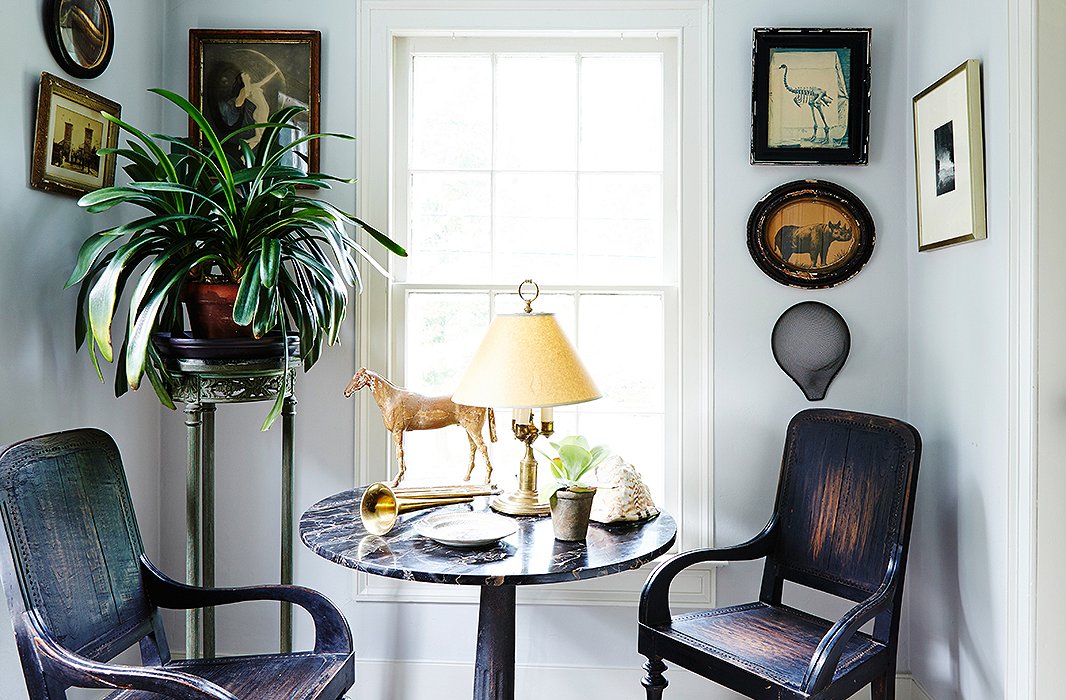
column 841, row 525
column 80, row 590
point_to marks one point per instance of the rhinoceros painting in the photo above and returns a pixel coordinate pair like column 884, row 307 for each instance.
column 813, row 240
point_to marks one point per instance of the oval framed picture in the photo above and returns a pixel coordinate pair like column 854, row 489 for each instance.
column 810, row 234
column 81, row 34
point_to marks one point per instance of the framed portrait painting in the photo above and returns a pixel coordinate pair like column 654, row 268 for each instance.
column 810, row 234
column 70, row 132
column 949, row 159
column 810, row 97
column 240, row 77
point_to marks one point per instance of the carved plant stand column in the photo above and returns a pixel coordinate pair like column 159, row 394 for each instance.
column 201, row 384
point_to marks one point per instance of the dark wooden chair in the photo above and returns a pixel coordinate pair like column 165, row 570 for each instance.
column 841, row 525
column 80, row 590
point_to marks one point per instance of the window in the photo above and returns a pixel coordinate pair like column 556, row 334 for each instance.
column 551, row 159
column 570, row 146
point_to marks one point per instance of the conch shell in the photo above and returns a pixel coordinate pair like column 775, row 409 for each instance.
column 623, row 496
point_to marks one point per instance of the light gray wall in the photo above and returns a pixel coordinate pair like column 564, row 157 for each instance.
column 958, row 386
column 46, row 386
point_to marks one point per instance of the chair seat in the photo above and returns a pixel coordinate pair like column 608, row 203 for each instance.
column 772, row 642
column 296, row 676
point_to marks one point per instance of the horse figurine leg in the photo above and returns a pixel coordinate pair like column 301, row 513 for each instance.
column 473, row 453
column 397, row 436
column 473, row 425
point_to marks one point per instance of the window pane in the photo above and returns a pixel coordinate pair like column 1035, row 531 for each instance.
column 620, row 338
column 620, row 226
column 450, row 225
column 535, row 221
column 451, row 112
column 636, row 437
column 621, row 112
column 536, row 112
column 443, row 332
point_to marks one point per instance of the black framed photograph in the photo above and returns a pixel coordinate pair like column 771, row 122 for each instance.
column 949, row 159
column 810, row 234
column 70, row 130
column 810, row 97
column 239, row 77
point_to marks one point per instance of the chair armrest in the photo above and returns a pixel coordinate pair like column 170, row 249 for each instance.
column 822, row 668
column 655, row 598
column 75, row 670
column 332, row 634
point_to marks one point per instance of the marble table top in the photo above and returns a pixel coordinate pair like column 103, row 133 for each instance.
column 331, row 528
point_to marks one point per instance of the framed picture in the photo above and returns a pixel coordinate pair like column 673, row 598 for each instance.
column 241, row 77
column 949, row 159
column 70, row 131
column 810, row 96
column 810, row 234
column 81, row 35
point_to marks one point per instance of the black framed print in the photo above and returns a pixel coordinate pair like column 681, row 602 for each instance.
column 810, row 97
column 810, row 234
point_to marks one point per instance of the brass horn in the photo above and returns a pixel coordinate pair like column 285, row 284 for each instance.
column 382, row 504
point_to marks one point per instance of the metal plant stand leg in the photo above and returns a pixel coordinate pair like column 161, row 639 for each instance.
column 207, row 508
column 288, row 414
column 202, row 384
column 194, row 456
column 494, row 665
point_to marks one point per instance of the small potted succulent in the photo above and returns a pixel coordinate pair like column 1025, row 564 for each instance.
column 572, row 501
column 247, row 229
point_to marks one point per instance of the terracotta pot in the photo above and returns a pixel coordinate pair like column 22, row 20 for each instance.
column 570, row 514
column 210, row 308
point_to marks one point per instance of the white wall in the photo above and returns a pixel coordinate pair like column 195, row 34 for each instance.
column 754, row 398
column 46, row 386
column 958, row 386
column 1051, row 479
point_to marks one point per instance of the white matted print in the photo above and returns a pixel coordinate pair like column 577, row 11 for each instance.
column 949, row 159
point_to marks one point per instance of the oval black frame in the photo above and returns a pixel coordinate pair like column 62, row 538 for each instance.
column 805, row 278
column 65, row 60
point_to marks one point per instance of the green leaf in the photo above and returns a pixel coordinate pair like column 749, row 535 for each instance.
column 247, row 296
column 270, row 262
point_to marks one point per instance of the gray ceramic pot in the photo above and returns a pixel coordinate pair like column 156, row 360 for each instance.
column 570, row 514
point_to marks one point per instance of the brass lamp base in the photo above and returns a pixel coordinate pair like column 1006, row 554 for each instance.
column 524, row 501
column 517, row 503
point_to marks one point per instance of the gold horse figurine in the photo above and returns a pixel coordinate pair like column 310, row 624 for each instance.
column 403, row 410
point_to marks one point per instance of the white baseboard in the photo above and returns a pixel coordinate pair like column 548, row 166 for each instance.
column 407, row 680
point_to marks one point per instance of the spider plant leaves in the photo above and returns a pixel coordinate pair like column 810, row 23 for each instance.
column 219, row 205
column 141, row 333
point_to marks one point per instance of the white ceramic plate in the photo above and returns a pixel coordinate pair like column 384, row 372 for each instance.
column 465, row 529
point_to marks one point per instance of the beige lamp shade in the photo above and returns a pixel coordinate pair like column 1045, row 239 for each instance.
column 525, row 360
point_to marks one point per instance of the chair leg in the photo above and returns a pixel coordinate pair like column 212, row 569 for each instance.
column 654, row 683
column 884, row 686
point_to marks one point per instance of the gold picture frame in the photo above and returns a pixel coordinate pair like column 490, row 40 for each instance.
column 949, row 159
column 70, row 130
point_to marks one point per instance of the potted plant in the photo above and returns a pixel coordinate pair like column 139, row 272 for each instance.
column 571, row 502
column 249, row 227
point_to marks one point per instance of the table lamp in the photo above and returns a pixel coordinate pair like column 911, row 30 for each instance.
column 525, row 363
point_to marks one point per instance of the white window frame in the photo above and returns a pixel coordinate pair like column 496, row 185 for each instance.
column 381, row 22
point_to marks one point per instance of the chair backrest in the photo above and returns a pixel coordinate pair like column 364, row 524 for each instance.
column 74, row 546
column 845, row 501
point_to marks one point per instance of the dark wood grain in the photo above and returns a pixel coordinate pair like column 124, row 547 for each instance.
column 80, row 590
column 841, row 525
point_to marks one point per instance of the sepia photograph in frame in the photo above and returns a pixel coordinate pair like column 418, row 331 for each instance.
column 239, row 77
column 70, row 131
column 949, row 159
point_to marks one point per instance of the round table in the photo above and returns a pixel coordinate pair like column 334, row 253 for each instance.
column 331, row 528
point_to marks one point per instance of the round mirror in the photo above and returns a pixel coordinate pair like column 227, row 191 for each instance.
column 81, row 34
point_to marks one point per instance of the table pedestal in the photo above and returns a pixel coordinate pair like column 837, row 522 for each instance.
column 494, row 665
